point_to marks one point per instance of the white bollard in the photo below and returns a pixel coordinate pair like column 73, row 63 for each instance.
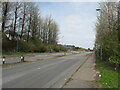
column 22, row 58
column 100, row 75
column 3, row 60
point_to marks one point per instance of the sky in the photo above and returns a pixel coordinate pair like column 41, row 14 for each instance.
column 76, row 21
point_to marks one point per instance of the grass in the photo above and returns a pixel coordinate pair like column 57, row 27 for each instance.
column 109, row 77
column 15, row 63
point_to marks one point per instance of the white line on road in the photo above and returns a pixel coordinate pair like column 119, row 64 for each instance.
column 38, row 68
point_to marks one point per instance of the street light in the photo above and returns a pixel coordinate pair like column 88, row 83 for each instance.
column 17, row 34
column 100, row 10
column 63, row 44
column 62, row 40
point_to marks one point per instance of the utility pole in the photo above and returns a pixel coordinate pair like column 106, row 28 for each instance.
column 17, row 34
column 119, row 21
column 62, row 40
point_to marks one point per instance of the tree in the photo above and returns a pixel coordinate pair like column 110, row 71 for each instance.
column 35, row 32
column 110, row 28
column 16, row 8
column 5, row 10
column 23, row 18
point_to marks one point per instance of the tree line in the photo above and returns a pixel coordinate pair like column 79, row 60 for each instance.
column 108, row 33
column 23, row 22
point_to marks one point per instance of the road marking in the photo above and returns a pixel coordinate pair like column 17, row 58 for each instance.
column 38, row 68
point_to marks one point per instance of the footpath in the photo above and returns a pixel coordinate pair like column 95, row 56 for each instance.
column 86, row 76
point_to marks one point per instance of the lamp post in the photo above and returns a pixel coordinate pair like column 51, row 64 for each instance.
column 62, row 40
column 119, row 21
column 17, row 34
column 63, row 44
column 100, row 10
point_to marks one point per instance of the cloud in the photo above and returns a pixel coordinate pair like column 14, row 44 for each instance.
column 78, row 30
column 76, row 21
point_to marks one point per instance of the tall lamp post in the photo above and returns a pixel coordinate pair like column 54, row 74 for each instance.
column 119, row 21
column 100, row 10
column 17, row 34
column 62, row 40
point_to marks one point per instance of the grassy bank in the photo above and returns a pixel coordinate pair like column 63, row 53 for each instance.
column 109, row 77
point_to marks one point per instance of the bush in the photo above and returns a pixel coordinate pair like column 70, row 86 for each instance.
column 31, row 46
column 114, row 59
column 8, row 45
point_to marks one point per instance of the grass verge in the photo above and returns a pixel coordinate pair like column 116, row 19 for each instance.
column 15, row 63
column 109, row 77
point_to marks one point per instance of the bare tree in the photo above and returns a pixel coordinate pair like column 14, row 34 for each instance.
column 5, row 10
column 23, row 18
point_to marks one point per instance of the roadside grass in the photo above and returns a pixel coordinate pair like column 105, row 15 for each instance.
column 15, row 63
column 109, row 77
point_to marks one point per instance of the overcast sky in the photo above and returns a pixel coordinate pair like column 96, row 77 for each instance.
column 76, row 21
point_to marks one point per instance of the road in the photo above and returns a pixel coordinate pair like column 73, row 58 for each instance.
column 43, row 74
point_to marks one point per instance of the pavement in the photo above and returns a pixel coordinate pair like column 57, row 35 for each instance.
column 52, row 73
column 86, row 76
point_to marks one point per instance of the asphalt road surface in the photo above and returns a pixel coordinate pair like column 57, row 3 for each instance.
column 43, row 74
